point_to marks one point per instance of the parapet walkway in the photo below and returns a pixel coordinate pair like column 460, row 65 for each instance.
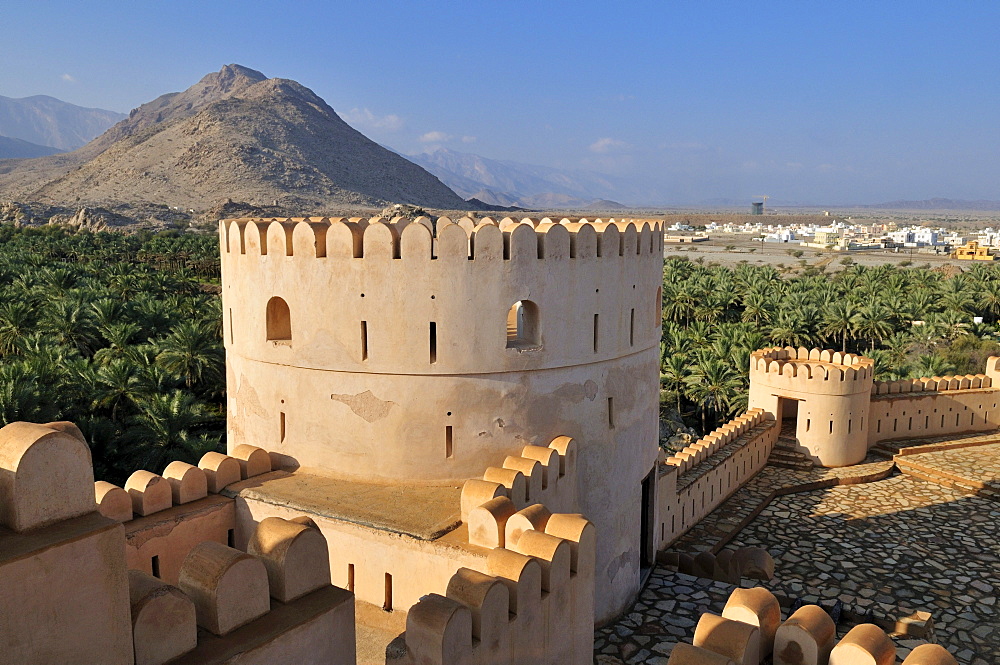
column 721, row 525
column 971, row 466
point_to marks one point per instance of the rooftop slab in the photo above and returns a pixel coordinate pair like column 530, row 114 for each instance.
column 425, row 512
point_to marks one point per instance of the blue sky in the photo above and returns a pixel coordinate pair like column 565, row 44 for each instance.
column 815, row 102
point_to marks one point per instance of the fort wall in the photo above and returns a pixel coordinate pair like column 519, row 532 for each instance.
column 386, row 569
column 840, row 412
column 399, row 281
column 699, row 478
column 394, row 570
column 934, row 406
column 166, row 516
column 532, row 602
column 385, row 350
column 66, row 594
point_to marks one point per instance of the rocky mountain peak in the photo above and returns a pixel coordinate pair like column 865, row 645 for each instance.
column 231, row 77
column 234, row 135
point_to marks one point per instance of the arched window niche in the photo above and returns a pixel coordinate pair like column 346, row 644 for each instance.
column 523, row 330
column 279, row 321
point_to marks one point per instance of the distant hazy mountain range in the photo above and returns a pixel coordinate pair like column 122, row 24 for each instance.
column 47, row 121
column 239, row 136
column 235, row 135
column 506, row 183
column 18, row 149
column 981, row 205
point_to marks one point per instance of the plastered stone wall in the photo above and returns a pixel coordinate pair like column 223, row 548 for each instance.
column 361, row 557
column 391, row 361
column 830, row 391
column 69, row 595
column 933, row 406
column 933, row 414
column 65, row 594
column 181, row 509
column 703, row 475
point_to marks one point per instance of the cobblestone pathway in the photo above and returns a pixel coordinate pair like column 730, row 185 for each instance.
column 898, row 542
column 890, row 546
column 721, row 523
column 893, row 546
column 666, row 613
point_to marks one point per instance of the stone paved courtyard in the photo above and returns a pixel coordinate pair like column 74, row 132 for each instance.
column 898, row 542
column 891, row 546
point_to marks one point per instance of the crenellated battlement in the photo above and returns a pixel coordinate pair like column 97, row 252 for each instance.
column 533, row 601
column 815, row 370
column 539, row 474
column 72, row 573
column 407, row 296
column 696, row 453
column 220, row 589
column 697, row 479
column 401, row 238
column 146, row 493
column 932, row 384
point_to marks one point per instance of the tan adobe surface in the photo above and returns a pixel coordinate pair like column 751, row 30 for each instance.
column 421, row 511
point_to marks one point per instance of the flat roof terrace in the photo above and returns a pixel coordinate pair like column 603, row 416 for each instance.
column 425, row 512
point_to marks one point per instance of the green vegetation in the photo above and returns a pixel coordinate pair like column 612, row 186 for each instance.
column 120, row 334
column 913, row 322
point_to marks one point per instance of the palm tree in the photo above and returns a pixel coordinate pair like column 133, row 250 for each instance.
column 793, row 327
column 678, row 304
column 116, row 384
column 20, row 396
column 192, row 353
column 959, row 302
column 952, row 323
column 897, row 345
column 918, row 303
column 16, row 318
column 756, row 308
column 676, row 339
column 931, row 364
column 710, row 307
column 700, row 334
column 107, row 312
column 884, row 369
column 172, row 426
column 840, row 318
column 713, row 385
column 119, row 337
column 989, row 296
column 874, row 323
column 69, row 324
column 673, row 376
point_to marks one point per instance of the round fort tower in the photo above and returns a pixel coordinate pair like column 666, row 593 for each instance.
column 825, row 393
column 383, row 352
